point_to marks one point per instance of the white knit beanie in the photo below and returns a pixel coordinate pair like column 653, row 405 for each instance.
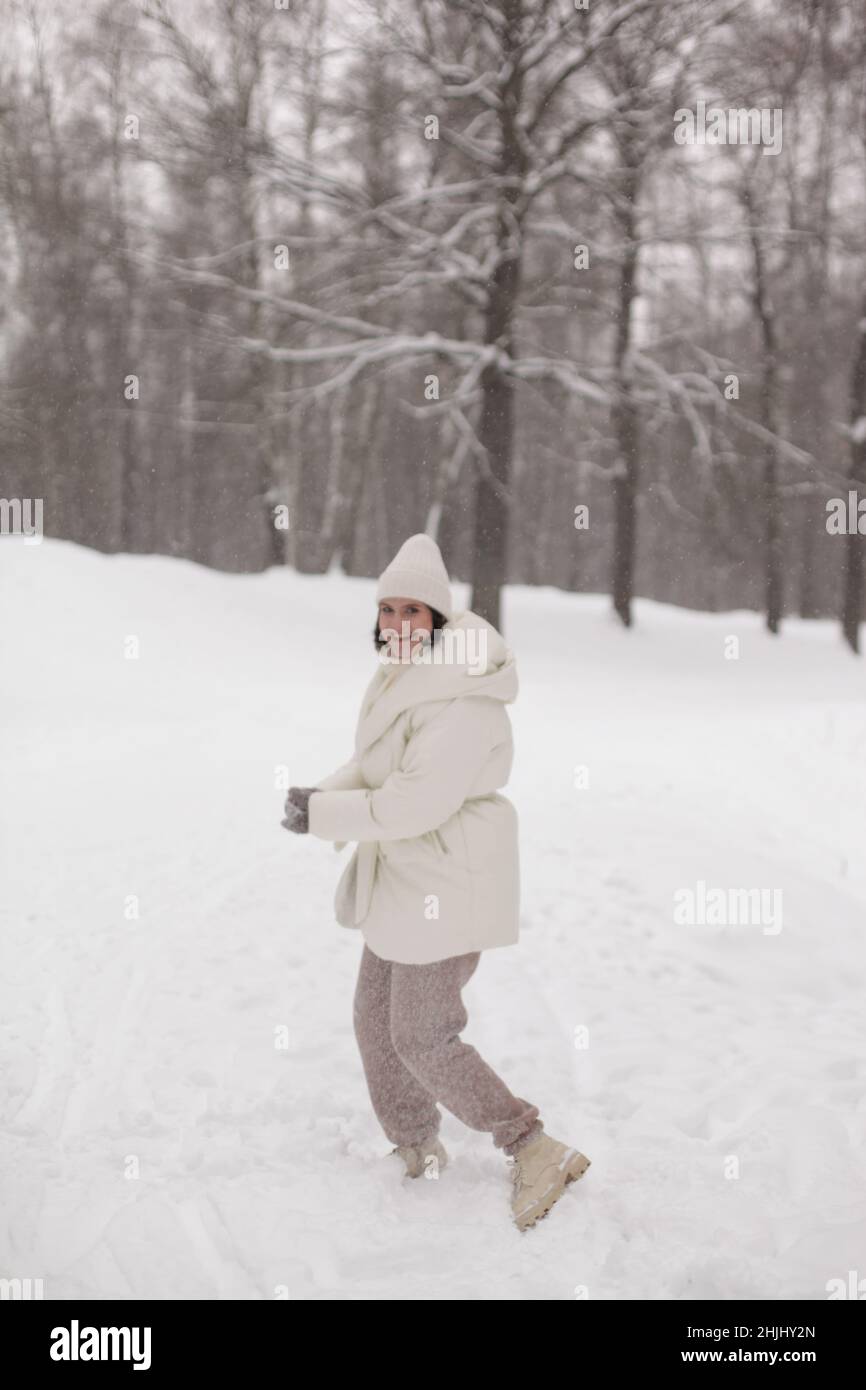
column 418, row 571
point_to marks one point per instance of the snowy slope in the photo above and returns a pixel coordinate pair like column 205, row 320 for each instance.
column 157, row 1143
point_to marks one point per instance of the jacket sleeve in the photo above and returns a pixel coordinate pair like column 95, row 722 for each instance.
column 443, row 756
column 346, row 778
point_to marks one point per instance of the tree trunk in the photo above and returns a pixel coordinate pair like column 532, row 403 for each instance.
column 625, row 423
column 496, row 435
column 771, row 419
column 496, row 428
column 817, row 416
column 852, row 611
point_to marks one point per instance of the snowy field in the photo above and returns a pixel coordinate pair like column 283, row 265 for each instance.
column 157, row 1144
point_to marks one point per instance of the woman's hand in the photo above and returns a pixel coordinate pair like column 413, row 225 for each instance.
column 297, row 810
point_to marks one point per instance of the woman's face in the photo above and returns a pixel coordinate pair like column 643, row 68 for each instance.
column 408, row 618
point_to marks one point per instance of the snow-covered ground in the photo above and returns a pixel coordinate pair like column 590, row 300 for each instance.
column 156, row 1141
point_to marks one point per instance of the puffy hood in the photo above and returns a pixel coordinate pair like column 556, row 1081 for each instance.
column 470, row 658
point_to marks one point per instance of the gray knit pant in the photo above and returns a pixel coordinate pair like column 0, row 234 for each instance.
column 407, row 1022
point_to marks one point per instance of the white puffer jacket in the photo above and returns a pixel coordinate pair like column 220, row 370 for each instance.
column 435, row 872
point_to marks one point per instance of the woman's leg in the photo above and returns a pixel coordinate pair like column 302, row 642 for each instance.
column 427, row 1016
column 404, row 1108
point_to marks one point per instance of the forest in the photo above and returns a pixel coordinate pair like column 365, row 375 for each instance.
column 578, row 288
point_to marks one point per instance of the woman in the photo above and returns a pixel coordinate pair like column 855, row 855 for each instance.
column 434, row 879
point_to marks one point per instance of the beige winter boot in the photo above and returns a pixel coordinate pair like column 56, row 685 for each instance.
column 428, row 1158
column 540, row 1172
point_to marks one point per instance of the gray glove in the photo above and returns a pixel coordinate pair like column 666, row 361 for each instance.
column 297, row 810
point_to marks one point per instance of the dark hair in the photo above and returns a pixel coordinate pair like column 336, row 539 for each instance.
column 439, row 621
